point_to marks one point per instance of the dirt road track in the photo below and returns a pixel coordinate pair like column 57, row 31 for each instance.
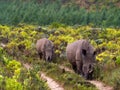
column 98, row 84
column 51, row 83
column 55, row 86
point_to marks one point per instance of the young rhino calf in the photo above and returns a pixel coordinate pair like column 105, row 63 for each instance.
column 45, row 49
column 81, row 55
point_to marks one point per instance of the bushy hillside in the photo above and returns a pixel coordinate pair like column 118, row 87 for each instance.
column 23, row 22
column 103, row 13
column 88, row 4
column 19, row 43
column 13, row 76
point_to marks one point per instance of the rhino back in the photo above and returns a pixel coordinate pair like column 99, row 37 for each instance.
column 49, row 44
column 40, row 45
column 89, row 57
column 74, row 50
column 71, row 50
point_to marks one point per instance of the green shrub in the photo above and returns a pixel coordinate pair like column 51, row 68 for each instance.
column 118, row 60
column 15, row 77
column 47, row 12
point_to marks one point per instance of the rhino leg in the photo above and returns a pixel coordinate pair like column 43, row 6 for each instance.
column 90, row 76
column 43, row 56
column 79, row 67
column 74, row 67
column 40, row 55
column 79, row 71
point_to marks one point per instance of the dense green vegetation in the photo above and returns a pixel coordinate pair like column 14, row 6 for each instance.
column 45, row 12
column 13, row 76
column 19, row 31
column 20, row 45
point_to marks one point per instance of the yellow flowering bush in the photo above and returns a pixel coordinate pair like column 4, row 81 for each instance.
column 104, row 56
column 27, row 35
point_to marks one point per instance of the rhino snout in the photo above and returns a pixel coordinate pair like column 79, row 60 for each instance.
column 88, row 76
column 88, row 71
column 49, row 58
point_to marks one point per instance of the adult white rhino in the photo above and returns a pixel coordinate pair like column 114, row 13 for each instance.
column 45, row 49
column 82, row 56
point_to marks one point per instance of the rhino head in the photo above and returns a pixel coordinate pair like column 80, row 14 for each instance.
column 88, row 71
column 49, row 52
column 88, row 63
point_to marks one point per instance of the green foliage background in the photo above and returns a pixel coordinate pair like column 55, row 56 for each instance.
column 13, row 76
column 17, row 41
column 21, row 46
column 13, row 12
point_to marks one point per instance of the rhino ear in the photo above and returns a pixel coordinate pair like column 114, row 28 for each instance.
column 84, row 52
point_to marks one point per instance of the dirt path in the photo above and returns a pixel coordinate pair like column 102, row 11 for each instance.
column 51, row 83
column 27, row 66
column 98, row 84
column 55, row 86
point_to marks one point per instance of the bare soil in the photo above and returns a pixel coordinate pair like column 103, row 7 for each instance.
column 98, row 84
column 53, row 85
